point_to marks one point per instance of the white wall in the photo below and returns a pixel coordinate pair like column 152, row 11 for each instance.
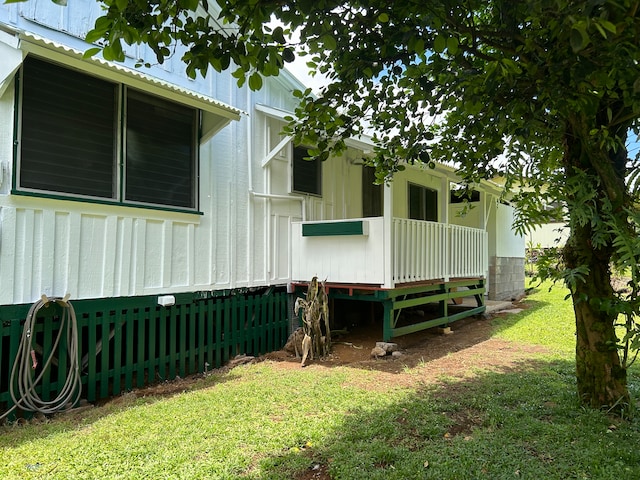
column 91, row 250
column 239, row 239
column 507, row 242
column 548, row 235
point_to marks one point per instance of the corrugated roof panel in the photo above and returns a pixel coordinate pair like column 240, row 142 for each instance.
column 203, row 101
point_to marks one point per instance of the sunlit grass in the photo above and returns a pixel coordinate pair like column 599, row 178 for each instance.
column 547, row 320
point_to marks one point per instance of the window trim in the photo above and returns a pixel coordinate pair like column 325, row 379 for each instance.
column 119, row 165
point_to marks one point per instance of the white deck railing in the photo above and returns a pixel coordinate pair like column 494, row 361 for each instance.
column 431, row 250
column 421, row 251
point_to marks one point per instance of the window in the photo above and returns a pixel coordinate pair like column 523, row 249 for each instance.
column 423, row 203
column 71, row 140
column 372, row 194
column 307, row 174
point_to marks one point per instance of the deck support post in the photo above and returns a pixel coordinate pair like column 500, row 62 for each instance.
column 387, row 320
column 443, row 308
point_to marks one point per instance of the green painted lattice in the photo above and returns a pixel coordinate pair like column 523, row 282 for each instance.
column 130, row 342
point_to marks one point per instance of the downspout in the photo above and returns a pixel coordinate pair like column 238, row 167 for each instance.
column 275, row 196
column 250, row 210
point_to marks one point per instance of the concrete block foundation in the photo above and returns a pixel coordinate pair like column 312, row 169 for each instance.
column 506, row 278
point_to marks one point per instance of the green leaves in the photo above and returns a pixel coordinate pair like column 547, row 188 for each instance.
column 579, row 37
column 91, row 52
column 439, row 43
column 255, row 81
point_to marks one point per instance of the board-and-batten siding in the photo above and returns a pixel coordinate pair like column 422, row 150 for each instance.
column 90, row 251
column 55, row 247
column 54, row 252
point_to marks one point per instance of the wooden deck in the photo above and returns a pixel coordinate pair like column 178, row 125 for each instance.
column 441, row 293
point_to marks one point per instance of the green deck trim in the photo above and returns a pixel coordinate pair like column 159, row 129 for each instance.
column 467, row 313
column 415, row 302
column 355, row 227
column 394, row 300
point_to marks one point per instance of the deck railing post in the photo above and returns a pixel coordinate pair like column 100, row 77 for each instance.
column 388, row 236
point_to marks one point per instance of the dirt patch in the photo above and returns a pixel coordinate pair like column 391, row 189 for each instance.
column 457, row 352
column 425, row 357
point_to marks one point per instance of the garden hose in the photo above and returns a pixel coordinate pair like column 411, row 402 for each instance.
column 22, row 383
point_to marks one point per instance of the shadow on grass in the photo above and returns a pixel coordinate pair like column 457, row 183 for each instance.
column 503, row 321
column 523, row 422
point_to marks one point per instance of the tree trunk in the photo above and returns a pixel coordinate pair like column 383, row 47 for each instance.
column 601, row 379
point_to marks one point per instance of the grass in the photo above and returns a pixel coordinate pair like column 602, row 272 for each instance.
column 265, row 422
column 548, row 321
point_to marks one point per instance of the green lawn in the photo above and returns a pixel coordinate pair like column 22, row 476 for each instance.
column 266, row 422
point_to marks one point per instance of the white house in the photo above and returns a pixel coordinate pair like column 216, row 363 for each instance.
column 175, row 215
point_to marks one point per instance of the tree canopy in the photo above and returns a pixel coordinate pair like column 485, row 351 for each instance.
column 542, row 93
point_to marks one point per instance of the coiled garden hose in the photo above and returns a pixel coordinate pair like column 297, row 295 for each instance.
column 22, row 383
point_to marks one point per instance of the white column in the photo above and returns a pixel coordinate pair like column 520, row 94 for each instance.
column 387, row 212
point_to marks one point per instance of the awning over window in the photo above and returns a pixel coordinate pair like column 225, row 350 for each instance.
column 216, row 114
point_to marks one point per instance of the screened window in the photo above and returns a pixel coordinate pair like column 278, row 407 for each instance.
column 71, row 140
column 423, row 203
column 160, row 151
column 68, row 140
column 371, row 193
column 307, row 174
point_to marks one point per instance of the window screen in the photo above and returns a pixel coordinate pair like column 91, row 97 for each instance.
column 307, row 174
column 371, row 193
column 423, row 203
column 68, row 135
column 160, row 162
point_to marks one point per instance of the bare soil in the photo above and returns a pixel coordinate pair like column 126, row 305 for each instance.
column 453, row 352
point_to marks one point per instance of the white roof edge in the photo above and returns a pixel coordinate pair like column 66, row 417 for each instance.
column 274, row 112
column 362, row 142
column 193, row 98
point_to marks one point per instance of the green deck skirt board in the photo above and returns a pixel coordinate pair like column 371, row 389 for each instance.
column 128, row 342
column 414, row 302
column 397, row 332
column 355, row 227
